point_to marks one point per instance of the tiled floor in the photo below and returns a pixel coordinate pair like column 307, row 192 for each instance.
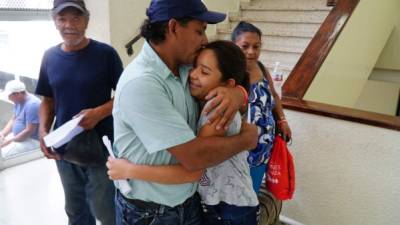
column 31, row 194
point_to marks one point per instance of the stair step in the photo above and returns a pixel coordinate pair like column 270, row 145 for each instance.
column 285, row 44
column 287, row 25
column 279, row 43
column 278, row 29
column 285, row 5
column 290, row 16
column 287, row 60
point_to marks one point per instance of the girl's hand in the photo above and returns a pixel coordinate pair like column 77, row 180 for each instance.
column 209, row 130
column 118, row 169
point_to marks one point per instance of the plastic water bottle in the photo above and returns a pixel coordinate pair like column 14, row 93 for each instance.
column 277, row 77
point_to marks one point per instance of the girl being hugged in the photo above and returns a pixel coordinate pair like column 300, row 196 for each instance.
column 225, row 189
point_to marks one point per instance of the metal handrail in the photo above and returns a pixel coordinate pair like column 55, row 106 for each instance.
column 129, row 45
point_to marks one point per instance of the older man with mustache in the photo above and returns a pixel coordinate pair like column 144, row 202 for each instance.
column 77, row 77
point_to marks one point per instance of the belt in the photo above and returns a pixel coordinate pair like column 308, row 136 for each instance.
column 155, row 206
column 142, row 204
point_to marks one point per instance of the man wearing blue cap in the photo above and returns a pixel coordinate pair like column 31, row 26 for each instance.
column 77, row 77
column 155, row 116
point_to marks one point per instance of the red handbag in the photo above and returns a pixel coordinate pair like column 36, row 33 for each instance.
column 280, row 176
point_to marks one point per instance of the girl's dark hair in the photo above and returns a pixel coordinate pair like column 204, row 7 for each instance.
column 231, row 62
column 244, row 27
column 155, row 32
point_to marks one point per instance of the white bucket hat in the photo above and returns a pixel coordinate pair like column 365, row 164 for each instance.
column 14, row 86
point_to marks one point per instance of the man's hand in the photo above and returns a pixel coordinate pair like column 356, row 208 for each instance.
column 225, row 103
column 48, row 153
column 118, row 168
column 249, row 132
column 4, row 142
column 2, row 138
column 90, row 118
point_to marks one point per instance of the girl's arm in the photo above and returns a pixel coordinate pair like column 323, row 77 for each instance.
column 167, row 174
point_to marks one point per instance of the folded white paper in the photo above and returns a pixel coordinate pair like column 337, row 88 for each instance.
column 123, row 185
column 64, row 133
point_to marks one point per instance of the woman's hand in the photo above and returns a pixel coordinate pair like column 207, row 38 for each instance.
column 284, row 128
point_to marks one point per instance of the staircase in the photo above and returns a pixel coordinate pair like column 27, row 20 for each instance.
column 287, row 26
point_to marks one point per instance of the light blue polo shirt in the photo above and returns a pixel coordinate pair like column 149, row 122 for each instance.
column 153, row 111
column 26, row 113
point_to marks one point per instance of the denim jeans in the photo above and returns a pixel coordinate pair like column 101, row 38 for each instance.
column 187, row 213
column 89, row 194
column 225, row 214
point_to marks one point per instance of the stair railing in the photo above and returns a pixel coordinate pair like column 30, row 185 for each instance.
column 129, row 45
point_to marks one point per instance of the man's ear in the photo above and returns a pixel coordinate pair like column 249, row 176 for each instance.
column 172, row 24
column 87, row 22
column 230, row 83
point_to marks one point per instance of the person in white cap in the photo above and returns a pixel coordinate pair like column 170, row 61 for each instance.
column 21, row 132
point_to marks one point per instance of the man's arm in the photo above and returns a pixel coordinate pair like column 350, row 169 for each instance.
column 7, row 129
column 203, row 152
column 25, row 133
column 93, row 116
column 46, row 117
column 226, row 101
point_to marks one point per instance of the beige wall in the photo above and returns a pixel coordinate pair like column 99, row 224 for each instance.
column 118, row 21
column 380, row 97
column 126, row 18
column 220, row 6
column 99, row 24
column 390, row 56
column 347, row 67
column 346, row 173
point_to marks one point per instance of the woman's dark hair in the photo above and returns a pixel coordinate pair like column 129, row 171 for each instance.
column 244, row 27
column 231, row 62
column 155, row 32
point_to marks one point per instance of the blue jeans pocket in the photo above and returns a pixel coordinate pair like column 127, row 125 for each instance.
column 224, row 214
column 136, row 217
column 128, row 214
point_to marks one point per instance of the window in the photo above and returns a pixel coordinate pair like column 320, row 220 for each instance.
column 26, row 31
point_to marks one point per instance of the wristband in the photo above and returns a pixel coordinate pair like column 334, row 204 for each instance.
column 245, row 95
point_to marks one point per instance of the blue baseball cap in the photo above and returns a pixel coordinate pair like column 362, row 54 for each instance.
column 164, row 10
